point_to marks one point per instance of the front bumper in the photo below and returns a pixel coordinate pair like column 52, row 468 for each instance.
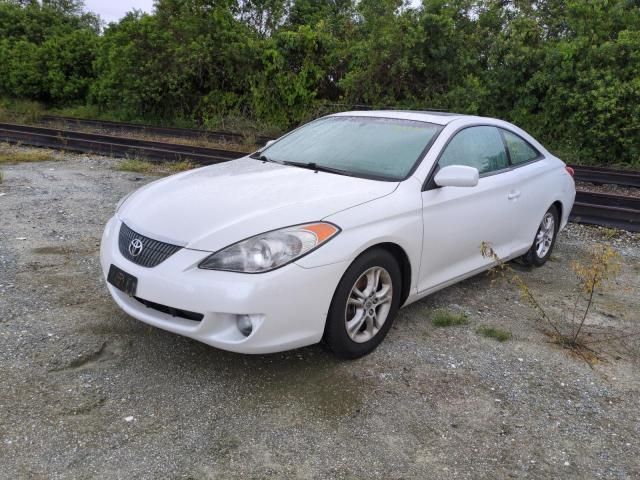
column 289, row 305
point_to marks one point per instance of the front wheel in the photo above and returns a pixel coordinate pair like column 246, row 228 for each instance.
column 364, row 304
column 545, row 239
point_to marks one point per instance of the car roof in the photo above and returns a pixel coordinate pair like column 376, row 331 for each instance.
column 445, row 118
column 437, row 117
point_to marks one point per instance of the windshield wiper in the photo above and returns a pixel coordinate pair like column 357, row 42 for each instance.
column 319, row 168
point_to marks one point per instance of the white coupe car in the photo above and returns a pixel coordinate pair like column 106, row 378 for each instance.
column 326, row 232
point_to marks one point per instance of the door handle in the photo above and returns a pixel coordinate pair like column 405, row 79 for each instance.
column 513, row 194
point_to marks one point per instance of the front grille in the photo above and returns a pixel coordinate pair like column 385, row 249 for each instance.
column 175, row 312
column 149, row 252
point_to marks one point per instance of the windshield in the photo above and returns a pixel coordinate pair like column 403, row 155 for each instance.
column 382, row 148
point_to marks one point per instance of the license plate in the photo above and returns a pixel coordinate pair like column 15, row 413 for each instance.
column 122, row 280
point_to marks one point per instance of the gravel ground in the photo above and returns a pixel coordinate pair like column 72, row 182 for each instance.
column 88, row 392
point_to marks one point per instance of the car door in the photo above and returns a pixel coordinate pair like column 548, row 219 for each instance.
column 534, row 182
column 456, row 220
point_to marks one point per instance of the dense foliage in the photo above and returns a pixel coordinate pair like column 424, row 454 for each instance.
column 566, row 70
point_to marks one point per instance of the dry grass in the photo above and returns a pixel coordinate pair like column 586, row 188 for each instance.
column 142, row 166
column 8, row 155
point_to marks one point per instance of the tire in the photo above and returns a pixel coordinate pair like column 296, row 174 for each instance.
column 375, row 311
column 539, row 253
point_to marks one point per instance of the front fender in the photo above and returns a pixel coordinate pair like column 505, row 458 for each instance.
column 396, row 218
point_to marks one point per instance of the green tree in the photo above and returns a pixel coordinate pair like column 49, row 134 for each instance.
column 47, row 50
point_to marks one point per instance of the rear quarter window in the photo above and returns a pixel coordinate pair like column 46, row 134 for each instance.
column 519, row 149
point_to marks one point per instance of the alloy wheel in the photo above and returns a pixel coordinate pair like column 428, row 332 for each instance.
column 544, row 238
column 368, row 304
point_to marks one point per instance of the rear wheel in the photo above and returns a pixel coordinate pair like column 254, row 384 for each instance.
column 545, row 239
column 364, row 305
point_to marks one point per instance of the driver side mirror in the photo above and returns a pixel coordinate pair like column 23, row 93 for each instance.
column 457, row 176
column 269, row 143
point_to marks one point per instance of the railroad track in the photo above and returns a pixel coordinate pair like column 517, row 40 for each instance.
column 113, row 146
column 597, row 175
column 615, row 211
column 607, row 210
column 137, row 128
column 603, row 176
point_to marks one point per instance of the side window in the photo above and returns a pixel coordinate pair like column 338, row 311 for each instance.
column 479, row 147
column 519, row 149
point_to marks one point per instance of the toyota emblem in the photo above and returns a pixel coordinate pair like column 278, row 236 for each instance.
column 135, row 247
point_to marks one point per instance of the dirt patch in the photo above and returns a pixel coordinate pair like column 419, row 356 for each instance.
column 58, row 250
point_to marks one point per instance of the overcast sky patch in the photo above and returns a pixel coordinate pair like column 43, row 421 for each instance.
column 113, row 10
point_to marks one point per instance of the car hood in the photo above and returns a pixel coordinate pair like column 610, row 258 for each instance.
column 212, row 207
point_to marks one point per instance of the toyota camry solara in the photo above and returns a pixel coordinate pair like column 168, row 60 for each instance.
column 325, row 233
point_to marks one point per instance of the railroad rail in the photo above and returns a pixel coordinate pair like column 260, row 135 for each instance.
column 607, row 210
column 616, row 211
column 123, row 147
column 604, row 175
column 138, row 128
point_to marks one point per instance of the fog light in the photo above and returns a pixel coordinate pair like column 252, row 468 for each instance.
column 245, row 325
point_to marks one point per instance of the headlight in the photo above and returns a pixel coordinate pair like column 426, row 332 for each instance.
column 271, row 250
